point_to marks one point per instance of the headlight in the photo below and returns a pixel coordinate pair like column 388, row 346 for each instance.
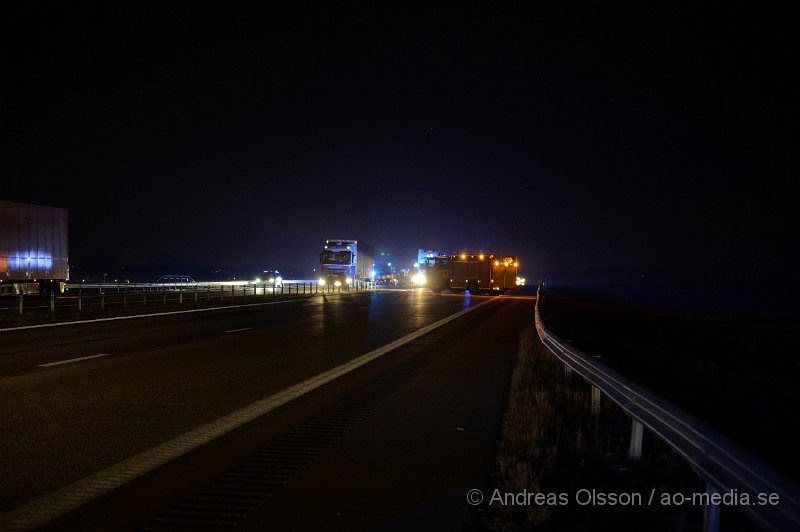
column 349, row 280
column 321, row 281
column 418, row 278
column 337, row 283
column 271, row 280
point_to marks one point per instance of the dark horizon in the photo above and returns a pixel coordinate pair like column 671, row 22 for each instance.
column 233, row 137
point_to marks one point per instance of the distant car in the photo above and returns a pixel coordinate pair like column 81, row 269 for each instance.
column 272, row 277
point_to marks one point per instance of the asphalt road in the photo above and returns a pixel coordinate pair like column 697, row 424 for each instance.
column 398, row 441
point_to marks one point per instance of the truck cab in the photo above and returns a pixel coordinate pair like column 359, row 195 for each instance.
column 345, row 262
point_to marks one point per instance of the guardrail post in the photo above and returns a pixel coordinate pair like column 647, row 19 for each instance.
column 281, row 288
column 195, row 293
column 144, row 297
column 52, row 302
column 165, row 297
column 20, row 304
column 180, row 296
column 125, row 299
column 80, row 298
column 711, row 515
column 102, row 300
column 635, row 449
column 596, row 396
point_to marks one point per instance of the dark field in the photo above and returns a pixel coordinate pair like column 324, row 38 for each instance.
column 736, row 372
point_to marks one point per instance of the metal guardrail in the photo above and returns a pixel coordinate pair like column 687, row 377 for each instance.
column 721, row 463
column 81, row 296
column 216, row 285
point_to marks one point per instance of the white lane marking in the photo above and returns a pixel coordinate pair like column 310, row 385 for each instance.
column 239, row 330
column 73, row 360
column 146, row 315
column 59, row 502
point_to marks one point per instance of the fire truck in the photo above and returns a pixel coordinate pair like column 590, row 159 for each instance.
column 479, row 273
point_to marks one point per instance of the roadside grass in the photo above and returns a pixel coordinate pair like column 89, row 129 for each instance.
column 552, row 444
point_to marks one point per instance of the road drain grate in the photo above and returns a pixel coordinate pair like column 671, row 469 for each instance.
column 234, row 494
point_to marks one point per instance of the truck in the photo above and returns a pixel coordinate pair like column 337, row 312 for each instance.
column 423, row 255
column 480, row 273
column 33, row 249
column 345, row 262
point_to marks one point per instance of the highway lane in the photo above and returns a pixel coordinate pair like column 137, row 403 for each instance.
column 395, row 444
column 23, row 346
column 425, row 444
column 166, row 375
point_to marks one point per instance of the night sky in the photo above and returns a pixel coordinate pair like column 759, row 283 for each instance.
column 648, row 138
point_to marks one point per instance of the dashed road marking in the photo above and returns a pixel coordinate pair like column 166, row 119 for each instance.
column 73, row 360
column 239, row 330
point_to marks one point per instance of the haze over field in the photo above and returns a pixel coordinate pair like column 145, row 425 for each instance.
column 219, row 138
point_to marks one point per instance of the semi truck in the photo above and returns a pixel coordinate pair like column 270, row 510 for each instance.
column 33, row 249
column 480, row 273
column 345, row 262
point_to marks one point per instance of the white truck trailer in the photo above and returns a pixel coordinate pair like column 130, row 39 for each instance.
column 33, row 249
